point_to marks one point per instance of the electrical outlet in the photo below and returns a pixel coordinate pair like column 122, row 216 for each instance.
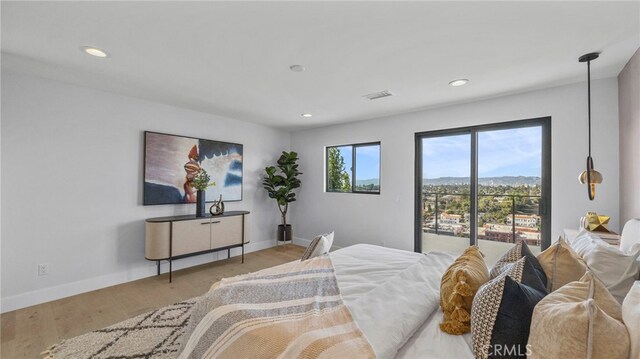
column 43, row 269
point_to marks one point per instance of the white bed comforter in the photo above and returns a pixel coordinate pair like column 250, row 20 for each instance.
column 393, row 296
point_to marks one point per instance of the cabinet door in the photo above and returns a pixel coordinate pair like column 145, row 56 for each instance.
column 226, row 231
column 156, row 240
column 191, row 236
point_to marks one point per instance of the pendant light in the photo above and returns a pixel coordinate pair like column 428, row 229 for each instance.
column 590, row 177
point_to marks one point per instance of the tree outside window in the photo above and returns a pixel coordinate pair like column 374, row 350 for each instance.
column 353, row 168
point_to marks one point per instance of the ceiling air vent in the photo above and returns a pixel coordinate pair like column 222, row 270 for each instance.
column 377, row 95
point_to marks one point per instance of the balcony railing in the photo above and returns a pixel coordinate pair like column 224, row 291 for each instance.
column 529, row 205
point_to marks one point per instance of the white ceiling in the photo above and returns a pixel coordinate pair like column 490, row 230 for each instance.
column 233, row 58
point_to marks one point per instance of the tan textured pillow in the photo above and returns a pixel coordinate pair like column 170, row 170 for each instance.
column 579, row 320
column 631, row 318
column 459, row 284
column 561, row 264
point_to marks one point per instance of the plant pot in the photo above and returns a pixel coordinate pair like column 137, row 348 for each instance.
column 201, row 200
column 284, row 235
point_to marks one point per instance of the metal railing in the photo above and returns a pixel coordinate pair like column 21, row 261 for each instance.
column 511, row 196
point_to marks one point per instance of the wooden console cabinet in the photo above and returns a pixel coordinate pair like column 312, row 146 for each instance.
column 170, row 238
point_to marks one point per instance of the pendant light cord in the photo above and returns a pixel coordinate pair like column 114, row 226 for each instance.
column 589, row 159
column 590, row 173
column 589, row 101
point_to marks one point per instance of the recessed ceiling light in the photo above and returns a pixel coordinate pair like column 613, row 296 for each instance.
column 94, row 51
column 458, row 82
column 306, row 115
column 296, row 68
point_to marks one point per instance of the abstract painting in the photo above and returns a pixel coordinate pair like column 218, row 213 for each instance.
column 171, row 162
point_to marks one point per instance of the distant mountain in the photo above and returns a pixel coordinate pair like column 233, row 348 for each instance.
column 486, row 181
column 366, row 182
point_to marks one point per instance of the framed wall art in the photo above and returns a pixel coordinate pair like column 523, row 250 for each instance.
column 171, row 161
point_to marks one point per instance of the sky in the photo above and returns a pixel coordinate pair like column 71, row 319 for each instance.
column 367, row 160
column 512, row 152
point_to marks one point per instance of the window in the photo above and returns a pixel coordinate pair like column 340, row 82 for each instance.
column 353, row 168
column 487, row 185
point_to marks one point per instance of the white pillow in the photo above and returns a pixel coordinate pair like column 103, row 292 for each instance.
column 585, row 241
column 634, row 248
column 630, row 235
column 319, row 245
column 631, row 318
column 614, row 268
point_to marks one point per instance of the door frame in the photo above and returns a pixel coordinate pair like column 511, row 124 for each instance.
column 545, row 198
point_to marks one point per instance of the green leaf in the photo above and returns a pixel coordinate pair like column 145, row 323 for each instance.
column 279, row 181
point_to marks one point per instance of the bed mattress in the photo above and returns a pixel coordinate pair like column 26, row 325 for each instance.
column 393, row 296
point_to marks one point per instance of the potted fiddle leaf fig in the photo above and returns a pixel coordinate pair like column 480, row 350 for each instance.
column 280, row 181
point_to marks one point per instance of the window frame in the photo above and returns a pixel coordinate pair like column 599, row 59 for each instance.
column 354, row 147
column 545, row 198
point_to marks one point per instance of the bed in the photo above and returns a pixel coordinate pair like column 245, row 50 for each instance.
column 375, row 282
column 390, row 296
column 361, row 301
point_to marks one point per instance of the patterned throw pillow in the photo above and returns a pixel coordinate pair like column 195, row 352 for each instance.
column 579, row 320
column 514, row 254
column 561, row 264
column 502, row 309
column 458, row 286
column 319, row 245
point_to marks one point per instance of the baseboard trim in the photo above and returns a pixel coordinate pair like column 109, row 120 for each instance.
column 44, row 295
column 301, row 241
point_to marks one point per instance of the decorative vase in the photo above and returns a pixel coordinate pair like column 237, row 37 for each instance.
column 201, row 203
column 217, row 208
column 284, row 235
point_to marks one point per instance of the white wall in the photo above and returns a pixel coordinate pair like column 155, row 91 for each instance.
column 72, row 176
column 389, row 217
column 72, row 185
column 629, row 105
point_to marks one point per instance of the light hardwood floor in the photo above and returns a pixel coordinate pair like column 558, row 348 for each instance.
column 27, row 332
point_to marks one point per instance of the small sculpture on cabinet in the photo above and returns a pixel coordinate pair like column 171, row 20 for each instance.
column 217, row 208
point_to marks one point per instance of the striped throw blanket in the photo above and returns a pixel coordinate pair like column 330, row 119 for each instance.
column 290, row 311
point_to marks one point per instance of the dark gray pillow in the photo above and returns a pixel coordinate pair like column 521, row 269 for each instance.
column 502, row 310
column 515, row 253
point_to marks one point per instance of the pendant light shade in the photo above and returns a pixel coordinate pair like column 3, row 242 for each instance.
column 590, row 177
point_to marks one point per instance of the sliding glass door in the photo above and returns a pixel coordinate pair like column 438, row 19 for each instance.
column 487, row 185
column 446, row 192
